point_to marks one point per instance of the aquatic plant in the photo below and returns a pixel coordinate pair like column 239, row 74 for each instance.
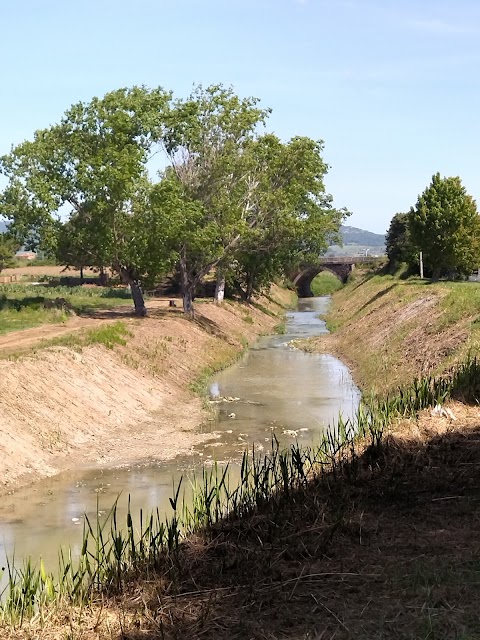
column 112, row 554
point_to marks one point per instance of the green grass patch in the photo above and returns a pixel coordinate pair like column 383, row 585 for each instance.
column 462, row 301
column 225, row 358
column 22, row 306
column 108, row 335
column 325, row 284
column 281, row 327
column 13, row 319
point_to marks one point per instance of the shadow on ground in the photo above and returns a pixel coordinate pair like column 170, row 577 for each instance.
column 388, row 547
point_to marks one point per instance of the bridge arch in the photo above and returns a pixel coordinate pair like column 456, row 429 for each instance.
column 341, row 266
column 303, row 279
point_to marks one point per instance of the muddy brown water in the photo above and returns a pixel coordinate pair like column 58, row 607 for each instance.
column 273, row 390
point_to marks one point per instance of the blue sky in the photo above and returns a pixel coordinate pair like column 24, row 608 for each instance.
column 392, row 87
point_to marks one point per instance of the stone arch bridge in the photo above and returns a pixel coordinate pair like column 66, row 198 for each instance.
column 341, row 266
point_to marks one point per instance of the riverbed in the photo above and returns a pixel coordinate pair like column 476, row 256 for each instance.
column 274, row 391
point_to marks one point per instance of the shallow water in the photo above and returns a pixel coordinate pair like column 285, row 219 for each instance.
column 273, row 390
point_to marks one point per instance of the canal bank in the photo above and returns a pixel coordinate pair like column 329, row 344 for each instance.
column 274, row 393
column 119, row 391
column 381, row 542
column 390, row 331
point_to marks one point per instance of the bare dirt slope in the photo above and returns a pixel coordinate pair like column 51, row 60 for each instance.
column 61, row 408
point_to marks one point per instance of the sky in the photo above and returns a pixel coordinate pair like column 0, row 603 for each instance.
column 392, row 87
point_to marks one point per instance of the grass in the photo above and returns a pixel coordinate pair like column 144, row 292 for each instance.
column 28, row 317
column 108, row 335
column 325, row 284
column 225, row 357
column 23, row 306
column 281, row 327
column 250, row 528
column 462, row 300
column 391, row 329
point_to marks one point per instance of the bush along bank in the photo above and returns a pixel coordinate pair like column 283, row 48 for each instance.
column 263, row 556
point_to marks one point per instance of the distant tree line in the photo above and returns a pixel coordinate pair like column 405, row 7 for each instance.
column 229, row 197
column 444, row 225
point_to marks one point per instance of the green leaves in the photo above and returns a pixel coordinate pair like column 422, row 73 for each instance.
column 228, row 195
column 8, row 247
column 445, row 226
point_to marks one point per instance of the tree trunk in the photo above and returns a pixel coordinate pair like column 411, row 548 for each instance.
column 137, row 293
column 187, row 287
column 239, row 290
column 436, row 274
column 104, row 277
column 250, row 286
column 81, row 275
column 220, row 286
column 249, row 291
column 138, row 300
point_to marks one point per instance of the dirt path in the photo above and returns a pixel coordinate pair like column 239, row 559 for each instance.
column 26, row 338
column 18, row 340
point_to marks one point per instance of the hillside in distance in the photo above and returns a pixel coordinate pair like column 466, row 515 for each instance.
column 358, row 242
column 353, row 235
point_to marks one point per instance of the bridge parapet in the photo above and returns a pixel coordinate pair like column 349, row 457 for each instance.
column 350, row 259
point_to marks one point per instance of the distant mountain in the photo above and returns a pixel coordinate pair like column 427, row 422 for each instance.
column 358, row 242
column 352, row 235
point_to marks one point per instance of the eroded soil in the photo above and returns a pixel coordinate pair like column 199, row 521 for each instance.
column 62, row 408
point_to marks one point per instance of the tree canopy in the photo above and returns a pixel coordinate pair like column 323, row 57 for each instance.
column 398, row 242
column 8, row 247
column 229, row 197
column 445, row 226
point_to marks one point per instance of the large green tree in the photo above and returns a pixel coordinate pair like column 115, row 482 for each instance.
column 398, row 242
column 291, row 216
column 445, row 226
column 91, row 167
column 256, row 202
column 205, row 140
column 229, row 198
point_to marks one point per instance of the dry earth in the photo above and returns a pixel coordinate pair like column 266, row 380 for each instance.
column 62, row 408
column 45, row 271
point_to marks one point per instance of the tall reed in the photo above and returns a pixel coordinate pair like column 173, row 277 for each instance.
column 111, row 554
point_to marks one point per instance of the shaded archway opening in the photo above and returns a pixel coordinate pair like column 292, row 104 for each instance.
column 303, row 280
